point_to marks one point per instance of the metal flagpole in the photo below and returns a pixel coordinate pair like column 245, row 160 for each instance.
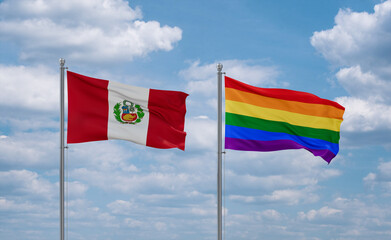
column 219, row 150
column 62, row 147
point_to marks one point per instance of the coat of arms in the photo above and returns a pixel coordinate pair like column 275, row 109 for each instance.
column 128, row 112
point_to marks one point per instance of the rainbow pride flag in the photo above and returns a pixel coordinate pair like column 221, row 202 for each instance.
column 267, row 119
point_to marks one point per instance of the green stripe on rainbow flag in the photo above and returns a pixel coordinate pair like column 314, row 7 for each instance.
column 282, row 127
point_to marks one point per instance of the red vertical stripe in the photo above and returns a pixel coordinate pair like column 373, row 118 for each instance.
column 87, row 108
column 167, row 119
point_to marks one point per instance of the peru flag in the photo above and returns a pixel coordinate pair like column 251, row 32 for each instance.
column 101, row 110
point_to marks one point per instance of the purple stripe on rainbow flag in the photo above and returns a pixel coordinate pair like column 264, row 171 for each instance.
column 275, row 145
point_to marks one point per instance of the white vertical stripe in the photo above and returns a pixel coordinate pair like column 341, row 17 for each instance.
column 119, row 92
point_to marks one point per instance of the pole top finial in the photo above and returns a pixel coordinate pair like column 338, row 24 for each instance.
column 219, row 67
column 62, row 61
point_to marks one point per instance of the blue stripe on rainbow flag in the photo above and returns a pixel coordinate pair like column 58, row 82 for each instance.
column 255, row 134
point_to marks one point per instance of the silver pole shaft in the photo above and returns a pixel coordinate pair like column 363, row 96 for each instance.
column 62, row 147
column 219, row 151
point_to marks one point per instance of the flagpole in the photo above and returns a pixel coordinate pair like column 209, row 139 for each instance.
column 62, row 147
column 219, row 150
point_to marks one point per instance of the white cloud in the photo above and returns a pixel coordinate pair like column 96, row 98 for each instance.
column 381, row 178
column 349, row 218
column 291, row 197
column 35, row 122
column 117, row 168
column 201, row 133
column 177, row 211
column 140, row 183
column 32, row 88
column 273, row 181
column 276, row 170
column 104, row 11
column 203, row 78
column 271, row 214
column 324, row 212
column 121, row 206
column 245, row 199
column 359, row 45
column 286, row 177
column 160, row 226
column 83, row 214
column 26, row 183
column 11, row 205
column 90, row 31
column 202, row 211
column 102, row 155
column 364, row 116
column 268, row 224
column 132, row 223
column 76, row 189
column 30, row 149
column 364, row 85
column 385, row 171
column 357, row 38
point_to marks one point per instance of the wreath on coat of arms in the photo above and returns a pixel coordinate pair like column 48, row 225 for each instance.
column 128, row 112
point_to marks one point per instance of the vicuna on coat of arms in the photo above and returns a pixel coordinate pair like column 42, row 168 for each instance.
column 131, row 113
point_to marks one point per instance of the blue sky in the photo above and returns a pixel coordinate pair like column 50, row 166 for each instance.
column 339, row 50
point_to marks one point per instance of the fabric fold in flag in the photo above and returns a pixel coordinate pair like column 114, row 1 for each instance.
column 267, row 119
column 100, row 110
